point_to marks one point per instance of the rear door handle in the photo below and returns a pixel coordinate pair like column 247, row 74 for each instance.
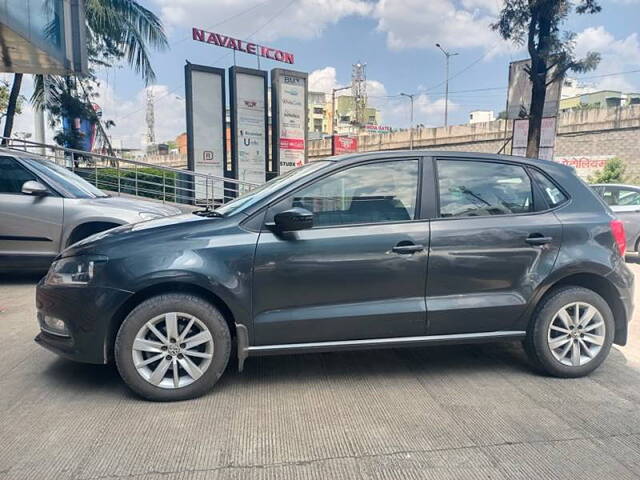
column 537, row 239
column 407, row 249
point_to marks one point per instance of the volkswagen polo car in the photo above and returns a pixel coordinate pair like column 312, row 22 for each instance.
column 375, row 250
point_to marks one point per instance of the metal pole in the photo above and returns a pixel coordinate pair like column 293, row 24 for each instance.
column 446, row 91
column 411, row 131
column 333, row 121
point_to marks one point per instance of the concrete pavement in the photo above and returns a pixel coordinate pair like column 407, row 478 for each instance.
column 476, row 412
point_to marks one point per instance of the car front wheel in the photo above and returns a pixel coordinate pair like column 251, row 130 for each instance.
column 571, row 332
column 172, row 347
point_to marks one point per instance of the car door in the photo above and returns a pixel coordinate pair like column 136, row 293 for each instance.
column 30, row 226
column 625, row 203
column 359, row 273
column 490, row 246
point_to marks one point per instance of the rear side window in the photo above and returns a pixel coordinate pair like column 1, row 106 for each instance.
column 476, row 188
column 552, row 194
column 13, row 175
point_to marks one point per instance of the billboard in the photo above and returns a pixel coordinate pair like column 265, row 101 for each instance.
column 547, row 137
column 289, row 106
column 519, row 92
column 206, row 135
column 343, row 144
column 249, row 124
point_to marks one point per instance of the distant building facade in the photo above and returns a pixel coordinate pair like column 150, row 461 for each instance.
column 479, row 116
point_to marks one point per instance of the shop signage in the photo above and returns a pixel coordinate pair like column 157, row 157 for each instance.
column 226, row 41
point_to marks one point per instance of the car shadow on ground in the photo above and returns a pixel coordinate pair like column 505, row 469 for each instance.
column 436, row 363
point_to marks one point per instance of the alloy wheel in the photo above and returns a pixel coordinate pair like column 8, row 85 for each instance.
column 172, row 350
column 576, row 334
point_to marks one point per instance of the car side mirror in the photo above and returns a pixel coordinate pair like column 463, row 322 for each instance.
column 293, row 219
column 34, row 188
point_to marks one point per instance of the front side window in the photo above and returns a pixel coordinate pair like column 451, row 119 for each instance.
column 13, row 175
column 372, row 193
column 475, row 188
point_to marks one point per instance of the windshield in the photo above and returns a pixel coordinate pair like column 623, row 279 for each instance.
column 64, row 179
column 263, row 191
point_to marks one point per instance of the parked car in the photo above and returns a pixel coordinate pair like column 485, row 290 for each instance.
column 45, row 207
column 624, row 201
column 362, row 251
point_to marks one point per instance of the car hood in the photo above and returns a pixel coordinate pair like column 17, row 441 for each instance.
column 134, row 205
column 124, row 232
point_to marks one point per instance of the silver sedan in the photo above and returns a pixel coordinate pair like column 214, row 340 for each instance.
column 624, row 201
column 44, row 208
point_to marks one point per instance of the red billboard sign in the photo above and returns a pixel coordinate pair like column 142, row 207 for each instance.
column 344, row 144
column 225, row 41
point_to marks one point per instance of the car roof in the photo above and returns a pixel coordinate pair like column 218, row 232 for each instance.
column 634, row 187
column 542, row 164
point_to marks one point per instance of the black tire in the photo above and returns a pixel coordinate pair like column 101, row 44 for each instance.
column 174, row 302
column 536, row 343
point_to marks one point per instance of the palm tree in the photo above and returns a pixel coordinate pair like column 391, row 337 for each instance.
column 117, row 30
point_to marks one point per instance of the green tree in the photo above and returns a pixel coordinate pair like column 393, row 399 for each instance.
column 117, row 31
column 537, row 23
column 613, row 172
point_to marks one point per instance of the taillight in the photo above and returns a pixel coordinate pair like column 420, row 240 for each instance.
column 617, row 230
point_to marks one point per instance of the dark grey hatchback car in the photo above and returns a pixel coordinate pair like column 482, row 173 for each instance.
column 363, row 251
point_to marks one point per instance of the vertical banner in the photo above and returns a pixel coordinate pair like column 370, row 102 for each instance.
column 249, row 124
column 206, row 133
column 289, row 108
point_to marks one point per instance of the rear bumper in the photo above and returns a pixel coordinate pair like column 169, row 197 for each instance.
column 87, row 313
column 623, row 279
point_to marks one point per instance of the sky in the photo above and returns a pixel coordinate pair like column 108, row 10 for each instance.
column 395, row 38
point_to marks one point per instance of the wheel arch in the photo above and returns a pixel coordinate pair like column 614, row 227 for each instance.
column 87, row 228
column 159, row 289
column 599, row 284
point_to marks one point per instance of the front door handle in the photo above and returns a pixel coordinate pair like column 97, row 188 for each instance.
column 407, row 249
column 538, row 239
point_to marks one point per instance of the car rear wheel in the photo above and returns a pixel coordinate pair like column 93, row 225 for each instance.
column 172, row 347
column 571, row 332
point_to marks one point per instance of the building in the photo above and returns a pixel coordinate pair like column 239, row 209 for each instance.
column 317, row 118
column 43, row 36
column 573, row 88
column 600, row 99
column 181, row 143
column 346, row 115
column 479, row 116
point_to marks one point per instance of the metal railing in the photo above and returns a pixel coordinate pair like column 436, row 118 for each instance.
column 133, row 177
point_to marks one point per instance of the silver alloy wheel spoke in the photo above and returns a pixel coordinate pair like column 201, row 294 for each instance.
column 172, row 350
column 576, row 334
column 195, row 353
column 190, row 367
column 171, row 320
column 145, row 345
column 197, row 339
column 158, row 373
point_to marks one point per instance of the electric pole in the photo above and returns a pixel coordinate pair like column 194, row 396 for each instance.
column 446, row 82
column 410, row 96
column 334, row 122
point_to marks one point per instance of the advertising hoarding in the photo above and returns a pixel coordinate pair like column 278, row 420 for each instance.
column 249, row 124
column 343, row 144
column 206, row 135
column 289, row 107
column 547, row 137
column 519, row 92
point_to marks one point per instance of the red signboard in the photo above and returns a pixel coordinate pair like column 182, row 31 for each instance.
column 344, row 144
column 225, row 41
column 292, row 143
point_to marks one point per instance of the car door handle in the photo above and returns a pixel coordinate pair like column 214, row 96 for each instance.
column 538, row 239
column 407, row 249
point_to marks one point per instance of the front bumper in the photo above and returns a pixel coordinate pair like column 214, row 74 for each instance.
column 88, row 313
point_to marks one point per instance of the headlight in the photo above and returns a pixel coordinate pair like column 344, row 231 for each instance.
column 73, row 270
column 149, row 215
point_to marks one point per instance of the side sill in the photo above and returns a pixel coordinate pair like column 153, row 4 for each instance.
column 380, row 343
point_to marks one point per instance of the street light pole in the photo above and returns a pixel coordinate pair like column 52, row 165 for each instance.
column 446, row 82
column 334, row 123
column 410, row 96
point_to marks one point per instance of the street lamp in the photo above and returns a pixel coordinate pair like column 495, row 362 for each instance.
column 410, row 96
column 334, row 123
column 446, row 82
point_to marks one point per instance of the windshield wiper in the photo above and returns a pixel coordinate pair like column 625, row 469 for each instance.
column 208, row 213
